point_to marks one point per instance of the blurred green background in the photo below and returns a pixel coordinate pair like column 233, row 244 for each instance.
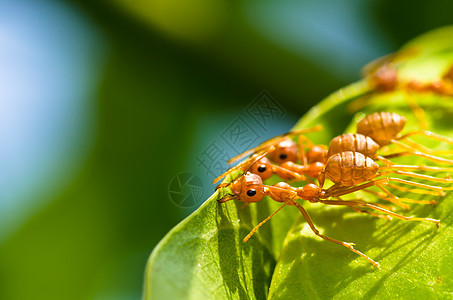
column 104, row 103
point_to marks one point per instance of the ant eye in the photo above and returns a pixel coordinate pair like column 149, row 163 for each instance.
column 251, row 193
column 261, row 169
column 283, row 156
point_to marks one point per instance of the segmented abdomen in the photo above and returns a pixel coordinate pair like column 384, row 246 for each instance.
column 353, row 142
column 350, row 168
column 381, row 127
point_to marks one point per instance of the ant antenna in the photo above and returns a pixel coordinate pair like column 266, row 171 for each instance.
column 245, row 166
column 273, row 141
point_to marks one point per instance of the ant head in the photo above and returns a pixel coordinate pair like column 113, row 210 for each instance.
column 449, row 74
column 247, row 188
column 285, row 150
column 317, row 153
column 262, row 167
column 310, row 191
column 385, row 78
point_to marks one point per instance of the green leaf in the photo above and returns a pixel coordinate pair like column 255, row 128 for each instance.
column 204, row 257
column 415, row 257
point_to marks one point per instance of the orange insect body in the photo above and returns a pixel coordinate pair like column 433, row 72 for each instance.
column 311, row 170
column 385, row 127
column 249, row 188
column 345, row 142
column 382, row 127
column 449, row 74
column 260, row 164
column 280, row 148
column 353, row 142
column 385, row 78
column 350, row 168
column 317, row 153
column 286, row 150
column 265, row 169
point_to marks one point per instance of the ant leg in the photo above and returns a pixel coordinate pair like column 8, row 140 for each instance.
column 422, row 168
column 427, row 150
column 232, row 169
column 362, row 203
column 338, row 189
column 415, row 191
column 316, row 231
column 301, row 151
column 371, row 183
column 392, row 200
column 302, row 131
column 352, row 189
column 417, row 110
column 268, row 145
column 414, row 175
column 427, row 134
column 422, row 185
column 245, row 205
column 432, row 158
column 335, row 187
column 322, row 179
column 222, row 185
column 226, row 198
column 341, row 190
column 424, row 149
column 386, row 161
column 283, row 172
column 362, row 211
column 410, row 151
column 261, row 224
column 272, row 142
column 245, row 165
column 360, row 103
column 391, row 196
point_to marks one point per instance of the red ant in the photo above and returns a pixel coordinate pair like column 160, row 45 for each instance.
column 249, row 188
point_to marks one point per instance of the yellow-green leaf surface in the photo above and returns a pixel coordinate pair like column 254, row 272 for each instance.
column 204, row 258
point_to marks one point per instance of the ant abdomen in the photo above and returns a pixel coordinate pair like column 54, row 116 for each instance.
column 382, row 127
column 353, row 142
column 350, row 168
